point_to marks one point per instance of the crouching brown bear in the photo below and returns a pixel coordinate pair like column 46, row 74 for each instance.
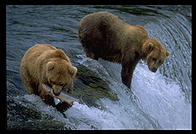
column 104, row 35
column 45, row 64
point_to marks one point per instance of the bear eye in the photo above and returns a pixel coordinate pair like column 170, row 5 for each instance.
column 62, row 84
column 154, row 59
column 52, row 82
column 160, row 61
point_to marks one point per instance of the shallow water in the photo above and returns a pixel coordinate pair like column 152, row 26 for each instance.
column 161, row 100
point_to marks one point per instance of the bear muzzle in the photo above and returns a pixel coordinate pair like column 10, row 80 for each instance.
column 56, row 90
column 56, row 93
column 154, row 69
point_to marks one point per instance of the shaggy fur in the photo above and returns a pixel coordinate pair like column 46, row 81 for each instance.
column 104, row 35
column 45, row 64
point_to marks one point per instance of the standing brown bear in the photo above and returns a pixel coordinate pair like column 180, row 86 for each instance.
column 104, row 35
column 45, row 64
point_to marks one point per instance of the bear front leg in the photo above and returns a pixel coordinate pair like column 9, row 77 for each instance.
column 26, row 79
column 126, row 75
column 128, row 66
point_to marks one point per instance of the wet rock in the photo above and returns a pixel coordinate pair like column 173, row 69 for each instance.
column 38, row 125
column 90, row 87
column 20, row 116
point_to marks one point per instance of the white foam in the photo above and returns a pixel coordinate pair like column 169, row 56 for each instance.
column 155, row 102
column 162, row 99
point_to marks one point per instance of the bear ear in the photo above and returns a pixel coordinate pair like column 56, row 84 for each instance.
column 150, row 47
column 62, row 54
column 50, row 66
column 73, row 71
column 147, row 48
column 168, row 53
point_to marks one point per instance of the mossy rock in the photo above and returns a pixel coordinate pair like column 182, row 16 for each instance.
column 24, row 117
column 89, row 87
column 39, row 125
column 21, row 112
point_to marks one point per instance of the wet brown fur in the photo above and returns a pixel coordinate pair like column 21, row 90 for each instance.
column 45, row 64
column 104, row 35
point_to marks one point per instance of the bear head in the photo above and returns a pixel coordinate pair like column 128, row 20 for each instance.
column 60, row 74
column 154, row 54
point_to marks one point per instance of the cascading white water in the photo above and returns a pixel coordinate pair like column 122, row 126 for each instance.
column 159, row 104
column 155, row 102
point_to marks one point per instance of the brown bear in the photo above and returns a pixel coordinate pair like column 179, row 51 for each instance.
column 104, row 35
column 45, row 64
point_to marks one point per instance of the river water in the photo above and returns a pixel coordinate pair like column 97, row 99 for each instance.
column 161, row 100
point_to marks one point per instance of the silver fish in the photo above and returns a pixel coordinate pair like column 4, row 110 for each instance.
column 56, row 101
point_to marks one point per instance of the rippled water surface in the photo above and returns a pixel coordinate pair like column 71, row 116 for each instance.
column 161, row 100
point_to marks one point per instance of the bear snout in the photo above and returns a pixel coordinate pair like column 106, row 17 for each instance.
column 56, row 93
column 56, row 90
column 154, row 69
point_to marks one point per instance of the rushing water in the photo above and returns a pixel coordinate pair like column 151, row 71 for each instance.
column 161, row 100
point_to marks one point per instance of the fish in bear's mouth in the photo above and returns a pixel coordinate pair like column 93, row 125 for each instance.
column 61, row 98
column 50, row 90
